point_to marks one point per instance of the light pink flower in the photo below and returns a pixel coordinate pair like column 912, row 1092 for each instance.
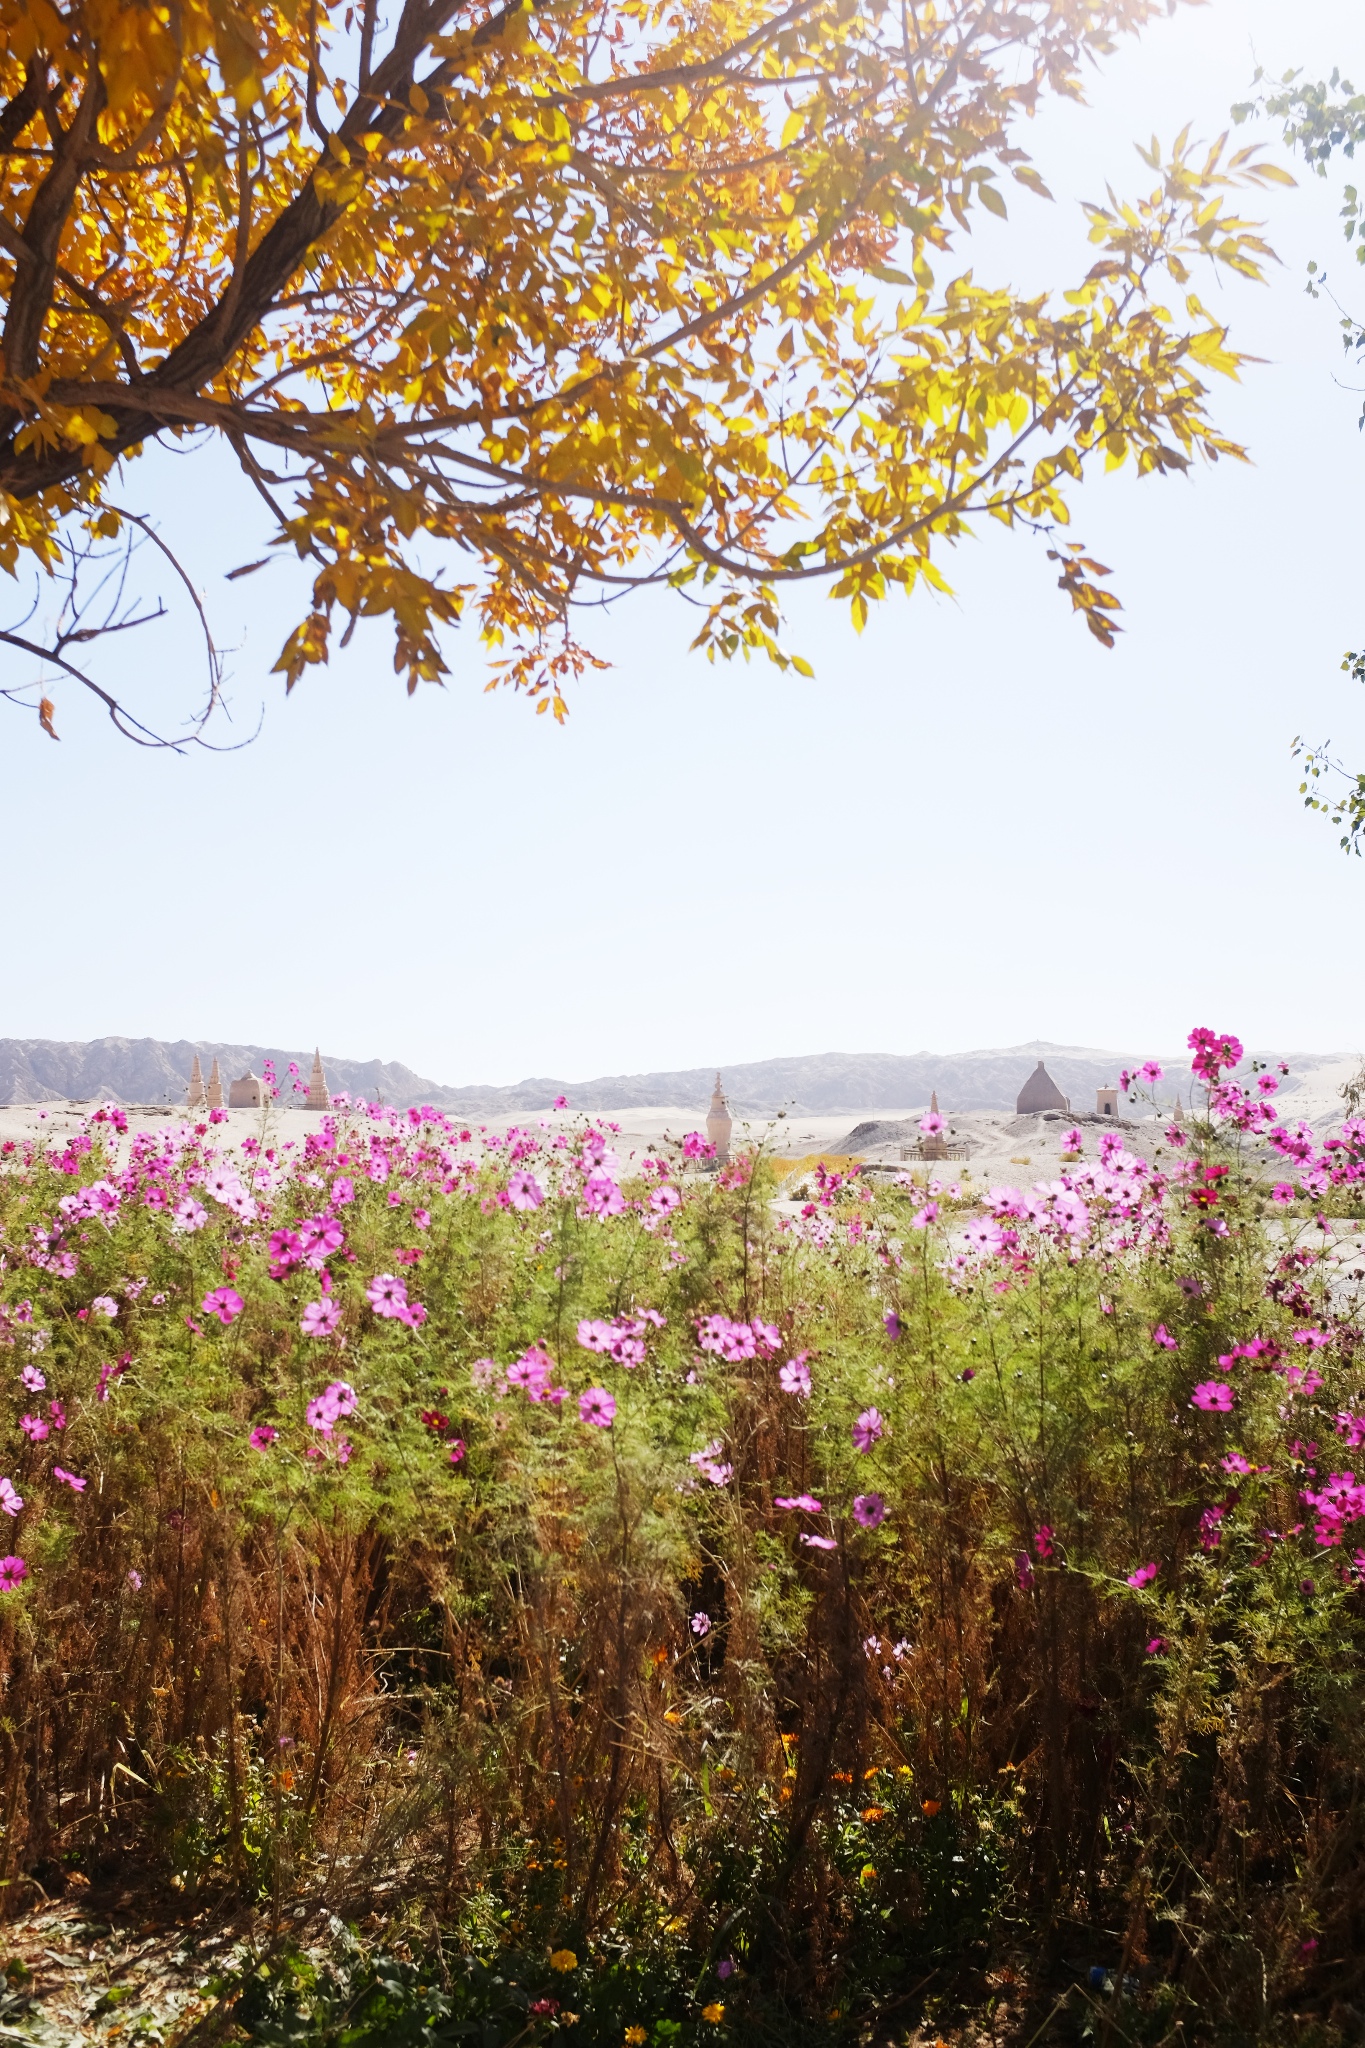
column 818, row 1542
column 386, row 1295
column 664, row 1201
column 597, row 1407
column 104, row 1305
column 794, row 1377
column 33, row 1379
column 320, row 1318
column 701, row 1625
column 524, row 1191
column 806, row 1502
column 10, row 1501
column 931, row 1123
column 1162, row 1337
column 867, row 1429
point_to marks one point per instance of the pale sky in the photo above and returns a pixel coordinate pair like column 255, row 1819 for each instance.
column 973, row 828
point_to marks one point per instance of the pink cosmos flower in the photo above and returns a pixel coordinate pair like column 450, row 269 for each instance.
column 1157, row 1646
column 13, row 1572
column 285, row 1249
column 1235, row 1462
column 664, row 1201
column 421, row 1219
column 320, row 1318
column 386, row 1295
column 10, row 1501
column 457, row 1451
column 1215, row 1396
column 1073, row 1140
column 931, row 1123
column 794, row 1377
column 104, row 1305
column 892, row 1324
column 524, row 1191
column 135, row 1578
column 262, row 1436
column 69, row 1479
column 696, row 1147
column 869, row 1510
column 33, row 1379
column 1314, row 1339
column 602, row 1197
column 1162, row 1337
column 922, row 1218
column 597, row 1407
column 818, row 1542
column 1042, row 1540
column 1143, row 1576
column 343, row 1190
column 1283, row 1191
column 1150, row 1072
column 34, row 1428
column 867, row 1429
column 225, row 1303
column 595, row 1335
column 1023, row 1571
column 701, row 1625
column 806, row 1502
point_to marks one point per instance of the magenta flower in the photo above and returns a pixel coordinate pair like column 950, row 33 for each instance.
column 343, row 1190
column 524, row 1191
column 285, row 1248
column 1073, row 1140
column 701, row 1625
column 1157, row 1646
column 320, row 1318
column 9, row 1499
column 1150, row 1072
column 34, row 1428
column 931, row 1123
column 869, row 1510
column 1283, row 1191
column 794, row 1377
column 818, row 1542
column 457, row 1451
column 1216, row 1396
column 225, row 1303
column 893, row 1324
column 70, row 1479
column 1042, row 1540
column 13, row 1572
column 262, row 1436
column 1163, row 1339
column 1143, row 1576
column 806, row 1502
column 597, row 1407
column 387, row 1296
column 867, row 1429
column 664, row 1201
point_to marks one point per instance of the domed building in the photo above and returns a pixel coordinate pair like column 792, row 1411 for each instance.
column 1040, row 1093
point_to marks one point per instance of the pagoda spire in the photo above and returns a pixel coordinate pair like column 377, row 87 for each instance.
column 317, row 1096
column 196, row 1094
column 213, row 1094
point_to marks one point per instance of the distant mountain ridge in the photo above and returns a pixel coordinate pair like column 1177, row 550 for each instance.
column 152, row 1070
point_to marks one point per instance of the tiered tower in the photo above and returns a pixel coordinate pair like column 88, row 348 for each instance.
column 196, row 1096
column 719, row 1123
column 317, row 1096
column 213, row 1094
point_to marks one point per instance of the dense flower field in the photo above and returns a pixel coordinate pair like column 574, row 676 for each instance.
column 684, row 1611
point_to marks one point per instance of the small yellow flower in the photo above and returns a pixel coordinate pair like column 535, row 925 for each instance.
column 563, row 1960
column 634, row 2036
column 714, row 2013
column 868, row 1874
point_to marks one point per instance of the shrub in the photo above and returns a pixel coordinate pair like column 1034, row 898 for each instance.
column 697, row 1611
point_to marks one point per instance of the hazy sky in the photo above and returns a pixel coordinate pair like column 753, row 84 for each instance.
column 973, row 827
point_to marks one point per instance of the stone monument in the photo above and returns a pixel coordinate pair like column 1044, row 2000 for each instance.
column 245, row 1093
column 1106, row 1102
column 933, row 1144
column 719, row 1124
column 317, row 1096
column 213, row 1094
column 196, row 1096
column 1039, row 1093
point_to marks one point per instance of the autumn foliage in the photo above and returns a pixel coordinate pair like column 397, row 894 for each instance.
column 504, row 310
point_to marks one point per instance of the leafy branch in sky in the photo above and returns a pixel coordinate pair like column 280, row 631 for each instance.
column 505, row 310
